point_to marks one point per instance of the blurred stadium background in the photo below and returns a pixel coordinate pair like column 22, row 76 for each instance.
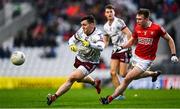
column 41, row 29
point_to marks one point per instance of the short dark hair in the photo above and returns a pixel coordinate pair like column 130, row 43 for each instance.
column 89, row 18
column 109, row 6
column 145, row 12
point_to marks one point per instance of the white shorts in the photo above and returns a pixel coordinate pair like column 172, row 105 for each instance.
column 85, row 67
column 84, row 70
column 141, row 63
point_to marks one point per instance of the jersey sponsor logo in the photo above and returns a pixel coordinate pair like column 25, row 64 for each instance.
column 145, row 41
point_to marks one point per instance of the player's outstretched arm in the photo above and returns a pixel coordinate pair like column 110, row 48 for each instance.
column 172, row 47
column 130, row 42
column 127, row 32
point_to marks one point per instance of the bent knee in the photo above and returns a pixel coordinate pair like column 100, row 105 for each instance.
column 123, row 75
column 128, row 79
column 113, row 73
column 73, row 79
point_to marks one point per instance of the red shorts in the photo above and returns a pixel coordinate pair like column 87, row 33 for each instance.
column 122, row 57
column 89, row 66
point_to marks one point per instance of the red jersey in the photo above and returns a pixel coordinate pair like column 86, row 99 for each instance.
column 148, row 39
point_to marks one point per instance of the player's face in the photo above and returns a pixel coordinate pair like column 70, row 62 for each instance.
column 87, row 27
column 109, row 13
column 140, row 20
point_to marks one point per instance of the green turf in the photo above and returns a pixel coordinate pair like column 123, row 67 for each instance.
column 87, row 98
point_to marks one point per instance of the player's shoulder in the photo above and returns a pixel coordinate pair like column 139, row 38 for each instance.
column 97, row 34
column 155, row 25
column 119, row 20
column 136, row 26
column 80, row 31
column 105, row 25
column 98, row 31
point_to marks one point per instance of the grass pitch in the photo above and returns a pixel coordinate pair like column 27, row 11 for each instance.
column 87, row 98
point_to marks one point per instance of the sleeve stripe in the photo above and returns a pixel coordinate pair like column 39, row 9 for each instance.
column 123, row 28
column 75, row 37
column 164, row 34
column 100, row 40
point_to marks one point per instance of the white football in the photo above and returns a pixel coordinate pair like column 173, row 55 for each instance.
column 17, row 58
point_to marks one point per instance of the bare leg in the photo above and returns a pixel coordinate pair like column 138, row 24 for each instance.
column 134, row 73
column 113, row 71
column 64, row 88
column 123, row 67
column 122, row 72
column 87, row 79
column 147, row 74
column 96, row 83
column 76, row 75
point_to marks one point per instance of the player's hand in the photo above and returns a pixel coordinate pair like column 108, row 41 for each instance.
column 117, row 49
column 174, row 59
column 85, row 43
column 73, row 48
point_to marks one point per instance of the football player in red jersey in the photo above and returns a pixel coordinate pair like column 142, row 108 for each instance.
column 146, row 34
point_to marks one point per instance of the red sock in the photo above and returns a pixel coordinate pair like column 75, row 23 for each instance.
column 56, row 95
column 110, row 98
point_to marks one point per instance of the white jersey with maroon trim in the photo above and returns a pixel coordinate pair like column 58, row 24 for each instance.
column 91, row 53
column 118, row 38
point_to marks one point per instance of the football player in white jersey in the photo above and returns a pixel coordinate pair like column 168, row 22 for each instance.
column 90, row 40
column 116, row 30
